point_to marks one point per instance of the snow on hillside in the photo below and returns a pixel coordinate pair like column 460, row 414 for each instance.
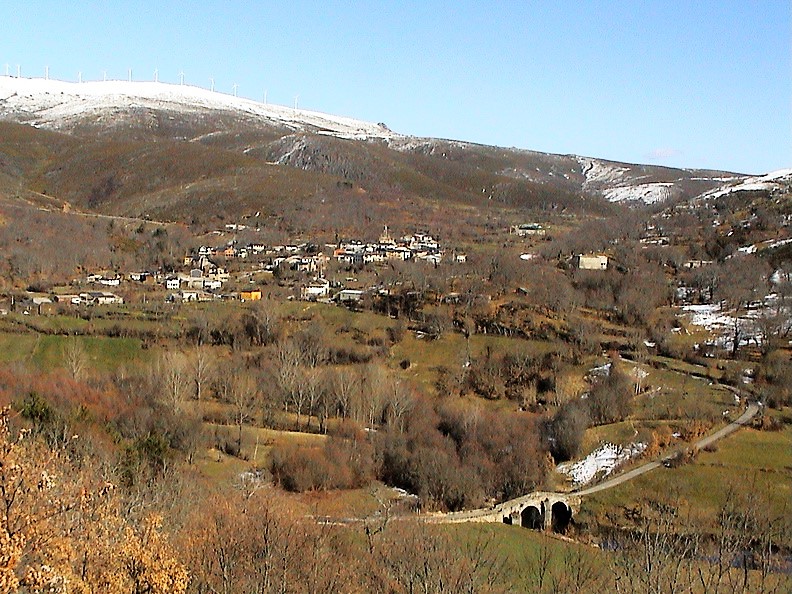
column 54, row 104
column 721, row 324
column 599, row 463
column 646, row 193
column 763, row 182
column 617, row 185
column 600, row 173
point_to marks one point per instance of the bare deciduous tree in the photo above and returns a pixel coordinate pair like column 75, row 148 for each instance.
column 75, row 357
column 171, row 372
column 202, row 366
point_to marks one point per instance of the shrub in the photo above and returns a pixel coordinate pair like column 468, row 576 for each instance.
column 564, row 432
column 345, row 462
column 610, row 399
column 686, row 456
column 768, row 423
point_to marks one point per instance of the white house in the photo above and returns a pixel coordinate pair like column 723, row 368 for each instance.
column 527, row 229
column 592, row 262
column 100, row 298
column 349, row 295
column 317, row 289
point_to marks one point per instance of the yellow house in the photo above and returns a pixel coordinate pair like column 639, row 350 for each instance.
column 250, row 295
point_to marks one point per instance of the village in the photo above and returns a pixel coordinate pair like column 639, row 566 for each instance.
column 207, row 271
column 351, row 272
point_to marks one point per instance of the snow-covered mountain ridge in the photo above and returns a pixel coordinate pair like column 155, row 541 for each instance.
column 55, row 104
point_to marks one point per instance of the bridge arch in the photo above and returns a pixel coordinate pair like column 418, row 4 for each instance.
column 532, row 517
column 561, row 517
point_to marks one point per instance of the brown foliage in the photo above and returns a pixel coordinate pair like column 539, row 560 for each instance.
column 344, row 462
column 461, row 455
column 62, row 529
column 260, row 544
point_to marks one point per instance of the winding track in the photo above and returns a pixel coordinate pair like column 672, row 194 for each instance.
column 496, row 513
column 750, row 412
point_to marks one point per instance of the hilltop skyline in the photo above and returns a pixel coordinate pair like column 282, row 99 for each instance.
column 684, row 86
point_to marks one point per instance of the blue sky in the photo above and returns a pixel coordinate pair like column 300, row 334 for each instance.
column 678, row 83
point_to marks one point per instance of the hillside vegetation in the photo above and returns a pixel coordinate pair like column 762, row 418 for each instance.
column 243, row 353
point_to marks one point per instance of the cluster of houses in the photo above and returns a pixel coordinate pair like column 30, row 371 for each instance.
column 320, row 289
column 202, row 279
column 419, row 247
column 308, row 258
column 32, row 303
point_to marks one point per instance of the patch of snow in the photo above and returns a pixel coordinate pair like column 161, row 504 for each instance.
column 431, row 145
column 721, row 324
column 765, row 245
column 775, row 244
column 647, row 193
column 780, row 276
column 778, row 174
column 600, row 371
column 708, row 316
column 404, row 494
column 600, row 463
column 718, row 179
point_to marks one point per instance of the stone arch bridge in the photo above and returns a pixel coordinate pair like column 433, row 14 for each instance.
column 539, row 510
column 548, row 511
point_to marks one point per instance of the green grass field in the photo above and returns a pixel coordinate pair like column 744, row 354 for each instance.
column 45, row 351
column 516, row 556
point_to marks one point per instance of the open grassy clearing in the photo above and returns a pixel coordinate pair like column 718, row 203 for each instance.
column 366, row 502
column 675, row 395
column 450, row 350
column 113, row 322
column 516, row 553
column 258, row 441
column 46, row 351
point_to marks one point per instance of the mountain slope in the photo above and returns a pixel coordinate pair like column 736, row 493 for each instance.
column 178, row 152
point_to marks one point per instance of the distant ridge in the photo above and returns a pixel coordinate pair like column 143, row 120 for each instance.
column 52, row 104
column 311, row 141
